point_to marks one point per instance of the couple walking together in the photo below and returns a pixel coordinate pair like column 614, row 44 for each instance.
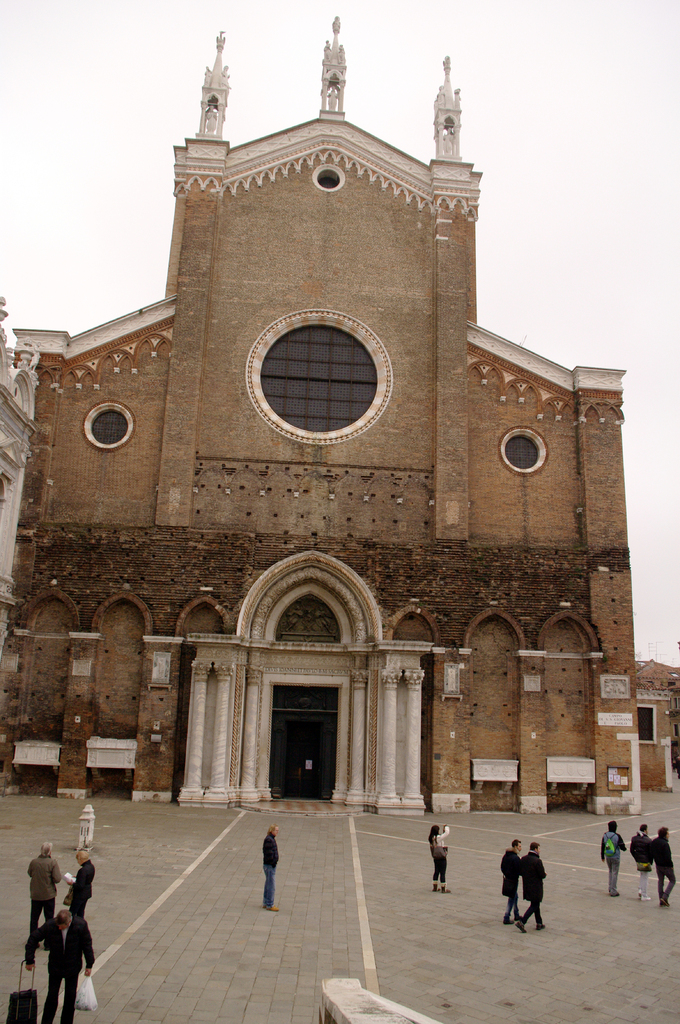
column 530, row 869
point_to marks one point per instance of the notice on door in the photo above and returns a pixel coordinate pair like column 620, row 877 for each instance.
column 308, row 766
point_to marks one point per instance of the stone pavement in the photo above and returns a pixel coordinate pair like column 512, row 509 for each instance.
column 179, row 941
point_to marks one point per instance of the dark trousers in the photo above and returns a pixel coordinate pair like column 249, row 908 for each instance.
column 439, row 870
column 41, row 906
column 534, row 908
column 70, row 988
column 78, row 907
column 662, row 872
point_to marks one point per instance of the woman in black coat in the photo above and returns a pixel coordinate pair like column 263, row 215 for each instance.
column 533, row 874
column 82, row 887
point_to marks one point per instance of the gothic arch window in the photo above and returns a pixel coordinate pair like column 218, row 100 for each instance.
column 308, row 620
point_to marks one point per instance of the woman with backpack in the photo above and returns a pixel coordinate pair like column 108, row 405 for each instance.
column 439, row 853
column 610, row 851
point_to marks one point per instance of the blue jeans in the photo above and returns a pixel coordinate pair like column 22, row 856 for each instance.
column 511, row 908
column 269, row 883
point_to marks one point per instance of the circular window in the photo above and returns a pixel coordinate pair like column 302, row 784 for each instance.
column 319, row 376
column 109, row 426
column 523, row 450
column 328, row 178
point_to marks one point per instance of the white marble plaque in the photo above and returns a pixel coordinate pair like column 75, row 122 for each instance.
column 9, row 663
column 494, row 770
column 451, row 678
column 615, row 687
column 81, row 667
column 532, row 683
column 161, row 668
column 570, row 769
column 36, row 752
column 108, row 753
column 621, row 721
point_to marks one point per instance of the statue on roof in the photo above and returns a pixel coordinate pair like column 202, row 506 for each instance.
column 333, row 76
column 447, row 118
column 215, row 95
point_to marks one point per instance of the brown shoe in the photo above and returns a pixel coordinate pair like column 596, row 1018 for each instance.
column 271, row 908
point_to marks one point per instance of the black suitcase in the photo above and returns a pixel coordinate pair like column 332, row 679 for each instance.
column 23, row 1005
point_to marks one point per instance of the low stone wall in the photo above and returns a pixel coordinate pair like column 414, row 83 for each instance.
column 344, row 1001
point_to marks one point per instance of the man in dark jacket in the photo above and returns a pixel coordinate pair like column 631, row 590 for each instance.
column 67, row 939
column 270, row 858
column 511, row 866
column 533, row 874
column 661, row 853
column 82, row 887
column 640, row 849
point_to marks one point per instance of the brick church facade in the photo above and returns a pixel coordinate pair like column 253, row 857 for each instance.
column 302, row 528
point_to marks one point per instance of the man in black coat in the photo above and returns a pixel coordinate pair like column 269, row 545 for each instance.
column 661, row 853
column 67, row 939
column 533, row 874
column 511, row 866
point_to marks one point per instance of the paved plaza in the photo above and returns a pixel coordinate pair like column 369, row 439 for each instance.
column 181, row 936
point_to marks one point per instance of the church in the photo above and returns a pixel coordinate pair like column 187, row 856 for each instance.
column 302, row 528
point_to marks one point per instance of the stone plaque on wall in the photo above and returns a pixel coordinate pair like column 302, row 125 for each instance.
column 36, row 752
column 615, row 686
column 532, row 682
column 161, row 668
column 109, row 753
column 451, row 678
column 9, row 663
column 81, row 668
column 621, row 721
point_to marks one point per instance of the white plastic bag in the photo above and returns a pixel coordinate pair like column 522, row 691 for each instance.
column 86, row 999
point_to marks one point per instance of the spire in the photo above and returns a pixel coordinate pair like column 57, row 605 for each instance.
column 215, row 95
column 333, row 77
column 447, row 118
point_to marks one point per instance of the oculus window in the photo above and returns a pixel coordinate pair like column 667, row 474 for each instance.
column 319, row 376
column 109, row 426
column 523, row 450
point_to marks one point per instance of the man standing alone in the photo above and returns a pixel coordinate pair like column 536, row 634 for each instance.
column 533, row 874
column 66, row 939
column 270, row 858
column 661, row 853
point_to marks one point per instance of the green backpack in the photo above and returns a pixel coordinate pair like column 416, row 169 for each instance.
column 610, row 847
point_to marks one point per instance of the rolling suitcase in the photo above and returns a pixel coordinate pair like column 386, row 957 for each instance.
column 23, row 1005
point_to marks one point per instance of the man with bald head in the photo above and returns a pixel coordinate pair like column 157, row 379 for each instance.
column 66, row 939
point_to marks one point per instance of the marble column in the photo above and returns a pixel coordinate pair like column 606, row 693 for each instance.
column 388, row 792
column 356, row 794
column 217, row 790
column 193, row 784
column 414, row 681
column 249, row 758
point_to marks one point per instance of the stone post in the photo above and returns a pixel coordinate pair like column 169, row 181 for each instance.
column 217, row 789
column 193, row 786
column 414, row 681
column 86, row 838
column 356, row 793
column 253, row 681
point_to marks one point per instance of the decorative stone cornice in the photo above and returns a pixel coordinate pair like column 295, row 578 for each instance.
column 440, row 186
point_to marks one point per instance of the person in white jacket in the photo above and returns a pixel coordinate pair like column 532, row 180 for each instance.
column 439, row 851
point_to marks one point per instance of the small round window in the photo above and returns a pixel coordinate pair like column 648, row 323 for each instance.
column 109, row 426
column 523, row 450
column 328, row 178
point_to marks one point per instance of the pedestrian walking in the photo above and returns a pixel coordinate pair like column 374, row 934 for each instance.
column 44, row 874
column 661, row 855
column 439, row 852
column 533, row 874
column 270, row 858
column 511, row 866
column 640, row 849
column 67, row 940
column 82, row 883
column 610, row 852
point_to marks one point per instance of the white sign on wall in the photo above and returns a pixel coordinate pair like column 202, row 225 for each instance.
column 621, row 721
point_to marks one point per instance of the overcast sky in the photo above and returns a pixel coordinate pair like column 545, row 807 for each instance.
column 570, row 109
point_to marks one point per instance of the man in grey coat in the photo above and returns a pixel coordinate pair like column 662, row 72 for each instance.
column 44, row 874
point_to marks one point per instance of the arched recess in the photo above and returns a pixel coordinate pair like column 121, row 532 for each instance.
column 202, row 615
column 123, row 596
column 118, row 679
column 413, row 622
column 32, row 609
column 51, row 618
column 566, row 638
column 311, row 572
column 493, row 638
column 495, row 613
